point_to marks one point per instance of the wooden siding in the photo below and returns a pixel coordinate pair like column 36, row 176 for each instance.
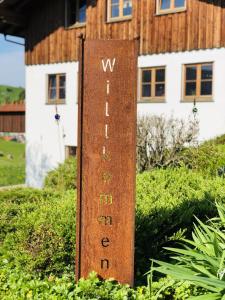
column 201, row 26
column 12, row 118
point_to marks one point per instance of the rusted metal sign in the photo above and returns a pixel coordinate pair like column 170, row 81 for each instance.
column 106, row 186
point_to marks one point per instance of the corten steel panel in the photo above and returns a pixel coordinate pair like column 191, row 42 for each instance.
column 106, row 185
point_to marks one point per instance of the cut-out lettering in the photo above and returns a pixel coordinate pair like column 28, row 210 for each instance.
column 108, row 87
column 108, row 64
column 106, row 177
column 106, row 199
column 107, row 109
column 104, row 264
column 105, row 242
column 106, row 131
column 105, row 220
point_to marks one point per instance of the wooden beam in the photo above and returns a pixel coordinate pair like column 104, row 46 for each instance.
column 10, row 17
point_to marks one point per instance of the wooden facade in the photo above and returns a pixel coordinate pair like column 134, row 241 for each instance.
column 12, row 118
column 201, row 26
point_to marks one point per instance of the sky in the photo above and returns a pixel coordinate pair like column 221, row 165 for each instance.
column 12, row 70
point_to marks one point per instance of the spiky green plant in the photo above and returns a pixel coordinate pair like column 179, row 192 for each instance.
column 200, row 261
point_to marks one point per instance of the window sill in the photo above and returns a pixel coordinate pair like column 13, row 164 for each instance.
column 151, row 100
column 57, row 102
column 168, row 12
column 116, row 20
column 201, row 99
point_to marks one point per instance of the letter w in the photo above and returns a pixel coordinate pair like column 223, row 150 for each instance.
column 108, row 64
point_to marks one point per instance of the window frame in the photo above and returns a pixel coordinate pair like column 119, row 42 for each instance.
column 57, row 100
column 198, row 97
column 152, row 99
column 77, row 24
column 170, row 10
column 121, row 17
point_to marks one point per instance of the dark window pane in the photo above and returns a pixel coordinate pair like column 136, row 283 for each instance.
column 160, row 75
column 206, row 88
column 62, row 81
column 160, row 90
column 52, row 81
column 52, row 94
column 207, row 72
column 127, row 7
column 115, row 11
column 179, row 3
column 62, row 93
column 146, row 76
column 190, row 88
column 191, row 73
column 165, row 4
column 146, row 90
column 71, row 12
column 82, row 11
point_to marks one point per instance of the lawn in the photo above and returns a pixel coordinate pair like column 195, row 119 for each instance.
column 12, row 163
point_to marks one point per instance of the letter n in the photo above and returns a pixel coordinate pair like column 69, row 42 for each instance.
column 104, row 264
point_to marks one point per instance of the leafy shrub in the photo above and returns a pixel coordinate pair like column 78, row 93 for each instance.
column 160, row 140
column 201, row 260
column 15, row 284
column 37, row 229
column 208, row 158
column 167, row 200
column 64, row 177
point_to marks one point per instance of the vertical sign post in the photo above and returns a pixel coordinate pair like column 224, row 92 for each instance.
column 106, row 160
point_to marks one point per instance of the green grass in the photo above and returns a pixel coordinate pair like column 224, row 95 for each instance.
column 9, row 94
column 12, row 163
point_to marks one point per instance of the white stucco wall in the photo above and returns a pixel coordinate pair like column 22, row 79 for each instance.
column 46, row 139
column 211, row 115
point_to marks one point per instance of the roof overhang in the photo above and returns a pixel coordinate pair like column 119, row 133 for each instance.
column 13, row 16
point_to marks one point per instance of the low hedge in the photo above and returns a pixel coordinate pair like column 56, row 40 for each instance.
column 64, row 177
column 37, row 230
column 167, row 201
column 38, row 227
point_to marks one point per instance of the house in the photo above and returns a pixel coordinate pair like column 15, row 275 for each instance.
column 181, row 61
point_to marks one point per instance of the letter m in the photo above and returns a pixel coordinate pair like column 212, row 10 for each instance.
column 108, row 64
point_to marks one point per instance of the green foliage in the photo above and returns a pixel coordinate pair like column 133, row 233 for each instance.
column 167, row 200
column 9, row 94
column 208, row 158
column 201, row 260
column 64, row 177
column 17, row 285
column 37, row 229
column 12, row 163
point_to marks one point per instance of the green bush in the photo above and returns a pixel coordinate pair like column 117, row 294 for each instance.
column 37, row 229
column 64, row 177
column 208, row 158
column 17, row 285
column 167, row 201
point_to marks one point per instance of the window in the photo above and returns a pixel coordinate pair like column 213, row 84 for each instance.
column 56, row 88
column 198, row 82
column 153, row 84
column 71, row 151
column 75, row 12
column 119, row 9
column 170, row 6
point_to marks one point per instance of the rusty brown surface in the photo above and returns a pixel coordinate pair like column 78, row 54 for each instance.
column 106, row 196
